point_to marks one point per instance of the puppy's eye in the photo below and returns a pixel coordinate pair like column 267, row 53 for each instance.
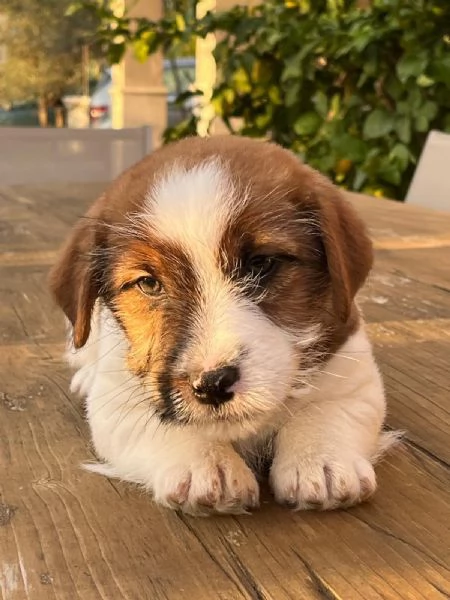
column 149, row 286
column 261, row 265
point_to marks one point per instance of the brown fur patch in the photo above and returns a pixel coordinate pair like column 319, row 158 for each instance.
column 157, row 328
column 297, row 294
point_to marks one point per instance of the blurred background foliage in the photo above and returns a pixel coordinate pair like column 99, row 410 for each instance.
column 351, row 87
column 43, row 51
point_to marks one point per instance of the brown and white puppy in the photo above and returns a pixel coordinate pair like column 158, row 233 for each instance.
column 210, row 293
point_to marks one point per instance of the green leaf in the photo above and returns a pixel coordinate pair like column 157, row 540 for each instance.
column 240, row 81
column 393, row 87
column 352, row 101
column 274, row 95
column 415, row 98
column 362, row 79
column 403, row 108
column 292, row 96
column 140, row 49
column 273, row 37
column 421, row 123
column 307, row 124
column 180, row 22
column 429, row 110
column 425, row 81
column 292, row 69
column 261, row 71
column 221, row 52
column 378, row 124
column 349, row 147
column 228, row 95
column 263, row 121
column 403, row 128
column 306, row 50
column 116, row 52
column 217, row 104
column 362, row 41
column 374, row 153
column 389, row 171
column 324, row 164
column 247, row 61
column 401, row 155
column 146, row 44
column 335, row 106
column 371, row 67
column 440, row 68
column 411, row 65
column 320, row 102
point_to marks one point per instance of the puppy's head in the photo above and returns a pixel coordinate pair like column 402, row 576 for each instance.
column 231, row 269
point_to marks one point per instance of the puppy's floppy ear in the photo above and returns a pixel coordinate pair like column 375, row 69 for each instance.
column 74, row 279
column 348, row 248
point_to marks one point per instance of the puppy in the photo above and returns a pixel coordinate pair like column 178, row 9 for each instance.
column 210, row 294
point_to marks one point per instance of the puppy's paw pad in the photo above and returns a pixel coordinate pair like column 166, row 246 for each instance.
column 208, row 486
column 322, row 483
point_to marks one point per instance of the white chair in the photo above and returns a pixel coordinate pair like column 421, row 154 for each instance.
column 34, row 155
column 430, row 185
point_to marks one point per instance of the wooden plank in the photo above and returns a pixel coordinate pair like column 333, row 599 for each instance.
column 412, row 242
column 31, row 234
column 409, row 323
column 431, row 266
column 387, row 219
column 28, row 258
column 27, row 313
column 418, row 396
column 391, row 296
column 36, row 219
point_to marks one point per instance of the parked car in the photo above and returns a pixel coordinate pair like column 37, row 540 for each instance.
column 100, row 105
column 100, row 108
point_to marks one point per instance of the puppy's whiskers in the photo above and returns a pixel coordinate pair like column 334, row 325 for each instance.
column 333, row 374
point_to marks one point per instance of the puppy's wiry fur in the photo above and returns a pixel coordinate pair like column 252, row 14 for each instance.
column 248, row 259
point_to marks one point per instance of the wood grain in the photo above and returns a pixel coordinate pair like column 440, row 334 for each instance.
column 66, row 534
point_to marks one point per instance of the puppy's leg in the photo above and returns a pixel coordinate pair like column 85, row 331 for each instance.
column 183, row 471
column 323, row 455
column 315, row 468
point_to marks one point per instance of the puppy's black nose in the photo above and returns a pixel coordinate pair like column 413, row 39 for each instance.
column 213, row 387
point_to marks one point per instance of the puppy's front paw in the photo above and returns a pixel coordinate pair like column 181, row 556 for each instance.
column 322, row 482
column 218, row 482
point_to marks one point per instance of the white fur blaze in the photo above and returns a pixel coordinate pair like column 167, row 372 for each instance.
column 193, row 207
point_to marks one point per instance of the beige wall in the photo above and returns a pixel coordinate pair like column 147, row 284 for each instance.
column 138, row 94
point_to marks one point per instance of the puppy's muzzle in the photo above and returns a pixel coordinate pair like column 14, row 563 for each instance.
column 215, row 387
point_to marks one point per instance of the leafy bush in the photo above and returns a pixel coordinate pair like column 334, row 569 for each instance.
column 353, row 91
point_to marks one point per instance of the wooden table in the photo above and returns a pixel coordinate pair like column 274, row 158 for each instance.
column 67, row 534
